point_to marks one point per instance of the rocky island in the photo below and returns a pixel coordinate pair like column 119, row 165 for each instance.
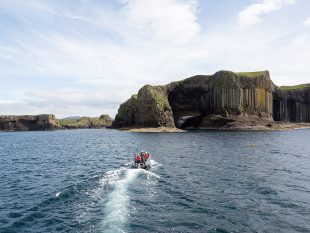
column 49, row 122
column 224, row 100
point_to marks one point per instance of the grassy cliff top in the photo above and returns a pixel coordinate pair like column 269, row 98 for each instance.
column 252, row 74
column 222, row 74
column 227, row 79
column 158, row 93
column 296, row 87
column 82, row 122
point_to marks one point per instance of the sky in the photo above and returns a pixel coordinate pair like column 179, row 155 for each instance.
column 86, row 57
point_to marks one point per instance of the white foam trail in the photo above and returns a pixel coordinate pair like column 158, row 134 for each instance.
column 116, row 209
column 111, row 177
column 150, row 173
column 57, row 194
column 154, row 164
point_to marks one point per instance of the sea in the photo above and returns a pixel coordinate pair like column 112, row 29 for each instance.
column 199, row 181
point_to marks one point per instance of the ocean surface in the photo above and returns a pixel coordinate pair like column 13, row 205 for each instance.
column 200, row 181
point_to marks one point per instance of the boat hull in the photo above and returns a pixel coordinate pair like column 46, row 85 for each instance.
column 145, row 165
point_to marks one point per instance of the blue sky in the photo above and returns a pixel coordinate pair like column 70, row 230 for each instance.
column 85, row 57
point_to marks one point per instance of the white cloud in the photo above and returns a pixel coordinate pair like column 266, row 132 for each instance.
column 173, row 21
column 35, row 108
column 63, row 102
column 307, row 22
column 86, row 60
column 252, row 14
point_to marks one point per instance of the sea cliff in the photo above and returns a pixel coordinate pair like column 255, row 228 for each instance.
column 28, row 122
column 222, row 100
column 292, row 103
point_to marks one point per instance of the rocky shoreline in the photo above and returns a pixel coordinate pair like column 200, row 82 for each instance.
column 274, row 127
column 154, row 130
column 240, row 126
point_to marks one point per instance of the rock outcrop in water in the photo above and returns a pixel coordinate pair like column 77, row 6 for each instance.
column 225, row 99
column 150, row 108
column 28, row 122
column 199, row 101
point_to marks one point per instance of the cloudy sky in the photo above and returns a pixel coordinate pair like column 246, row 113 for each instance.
column 85, row 57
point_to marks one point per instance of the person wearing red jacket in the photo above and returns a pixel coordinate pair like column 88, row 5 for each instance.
column 147, row 155
column 138, row 158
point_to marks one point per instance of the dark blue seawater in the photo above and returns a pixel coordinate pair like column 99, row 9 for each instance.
column 81, row 181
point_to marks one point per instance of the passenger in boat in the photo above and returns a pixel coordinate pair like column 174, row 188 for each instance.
column 138, row 158
column 142, row 156
column 147, row 155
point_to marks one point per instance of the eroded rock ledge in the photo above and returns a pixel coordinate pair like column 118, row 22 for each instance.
column 223, row 100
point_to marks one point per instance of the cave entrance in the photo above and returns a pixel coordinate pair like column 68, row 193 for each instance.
column 188, row 122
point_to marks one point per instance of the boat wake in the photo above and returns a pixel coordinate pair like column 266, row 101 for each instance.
column 116, row 202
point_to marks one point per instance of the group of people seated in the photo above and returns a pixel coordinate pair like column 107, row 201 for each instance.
column 142, row 157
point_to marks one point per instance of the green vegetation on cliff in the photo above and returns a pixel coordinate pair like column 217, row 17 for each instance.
column 227, row 79
column 125, row 112
column 159, row 97
column 296, row 87
column 253, row 74
column 149, row 108
column 85, row 122
column 224, row 79
column 129, row 105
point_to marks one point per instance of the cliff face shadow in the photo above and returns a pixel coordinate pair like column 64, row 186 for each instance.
column 291, row 105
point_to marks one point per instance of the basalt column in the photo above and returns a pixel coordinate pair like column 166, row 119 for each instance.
column 292, row 104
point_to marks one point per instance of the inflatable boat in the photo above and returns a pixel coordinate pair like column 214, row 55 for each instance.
column 142, row 164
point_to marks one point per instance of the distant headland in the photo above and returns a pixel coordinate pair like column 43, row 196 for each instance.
column 224, row 100
column 49, row 122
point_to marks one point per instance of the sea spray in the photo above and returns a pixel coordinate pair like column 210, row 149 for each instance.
column 150, row 174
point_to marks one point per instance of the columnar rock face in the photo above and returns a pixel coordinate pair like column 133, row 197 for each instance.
column 292, row 104
column 225, row 94
column 28, row 122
